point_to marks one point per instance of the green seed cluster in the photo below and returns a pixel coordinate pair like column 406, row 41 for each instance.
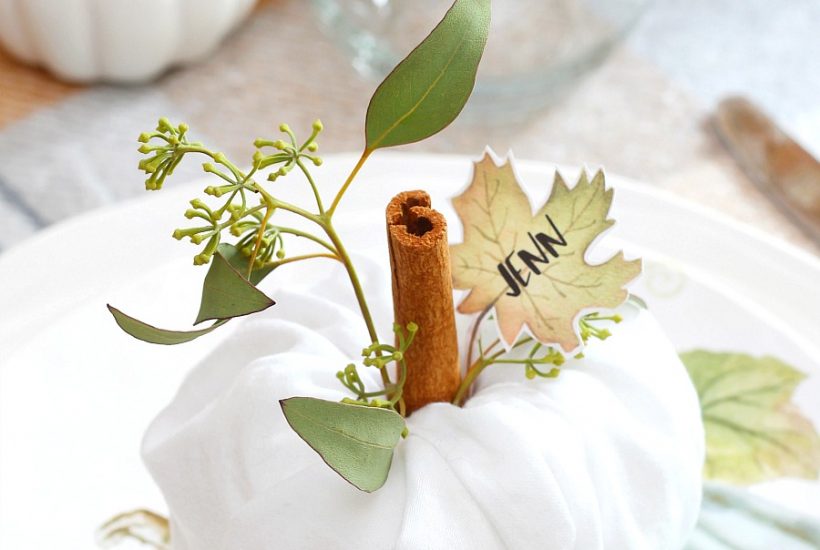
column 167, row 146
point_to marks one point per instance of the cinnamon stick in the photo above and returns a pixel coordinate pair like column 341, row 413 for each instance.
column 423, row 294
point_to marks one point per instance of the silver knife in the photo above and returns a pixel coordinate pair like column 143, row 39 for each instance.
column 782, row 169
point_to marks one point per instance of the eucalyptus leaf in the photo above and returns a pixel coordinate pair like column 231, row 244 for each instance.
column 754, row 432
column 239, row 262
column 226, row 293
column 151, row 334
column 429, row 88
column 355, row 440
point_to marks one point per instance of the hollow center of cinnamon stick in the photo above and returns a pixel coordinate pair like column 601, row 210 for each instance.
column 416, row 224
column 419, row 226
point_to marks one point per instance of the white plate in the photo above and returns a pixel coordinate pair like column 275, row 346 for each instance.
column 76, row 394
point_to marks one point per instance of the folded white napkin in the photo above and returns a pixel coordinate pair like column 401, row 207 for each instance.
column 607, row 455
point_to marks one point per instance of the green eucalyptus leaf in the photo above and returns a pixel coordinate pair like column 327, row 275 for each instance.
column 226, row 293
column 753, row 430
column 429, row 88
column 149, row 333
column 355, row 440
column 239, row 262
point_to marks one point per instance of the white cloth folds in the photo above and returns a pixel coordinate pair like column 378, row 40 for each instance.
column 607, row 455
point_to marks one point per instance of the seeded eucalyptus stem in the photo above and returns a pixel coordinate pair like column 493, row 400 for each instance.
column 532, row 362
column 255, row 222
column 344, row 257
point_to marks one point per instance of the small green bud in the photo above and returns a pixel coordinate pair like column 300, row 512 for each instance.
column 182, row 128
column 145, row 137
column 529, row 372
column 220, row 158
column 198, row 238
column 317, row 125
column 201, row 259
column 340, row 375
column 145, row 149
column 313, row 147
column 284, row 128
column 164, row 125
column 317, row 161
column 412, row 327
column 208, row 167
column 279, row 144
column 178, row 234
column 213, row 191
column 190, row 214
column 280, row 253
column 259, row 143
column 617, row 318
column 397, row 355
column 257, row 158
column 150, row 165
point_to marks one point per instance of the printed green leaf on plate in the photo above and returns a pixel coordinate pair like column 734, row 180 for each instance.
column 226, row 293
column 356, row 441
column 429, row 88
column 154, row 335
column 754, row 432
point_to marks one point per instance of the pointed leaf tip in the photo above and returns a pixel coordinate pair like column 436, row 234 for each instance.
column 154, row 335
column 226, row 293
column 429, row 88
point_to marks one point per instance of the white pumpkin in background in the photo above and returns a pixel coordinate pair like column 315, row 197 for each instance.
column 606, row 456
column 115, row 40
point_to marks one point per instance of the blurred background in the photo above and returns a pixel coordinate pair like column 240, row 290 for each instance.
column 627, row 84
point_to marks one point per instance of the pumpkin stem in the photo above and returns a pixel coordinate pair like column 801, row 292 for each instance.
column 423, row 294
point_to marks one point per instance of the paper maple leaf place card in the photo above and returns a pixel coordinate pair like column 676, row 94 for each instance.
column 531, row 268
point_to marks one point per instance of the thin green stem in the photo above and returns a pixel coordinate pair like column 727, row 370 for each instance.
column 344, row 257
column 188, row 148
column 480, row 364
column 260, row 236
column 474, row 333
column 292, row 208
column 312, row 183
column 397, row 396
column 365, row 154
column 292, row 259
column 309, row 236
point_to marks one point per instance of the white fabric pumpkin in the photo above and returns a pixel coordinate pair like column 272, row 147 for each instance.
column 115, row 40
column 607, row 455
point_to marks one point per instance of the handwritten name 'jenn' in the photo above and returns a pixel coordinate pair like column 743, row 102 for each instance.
column 544, row 246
